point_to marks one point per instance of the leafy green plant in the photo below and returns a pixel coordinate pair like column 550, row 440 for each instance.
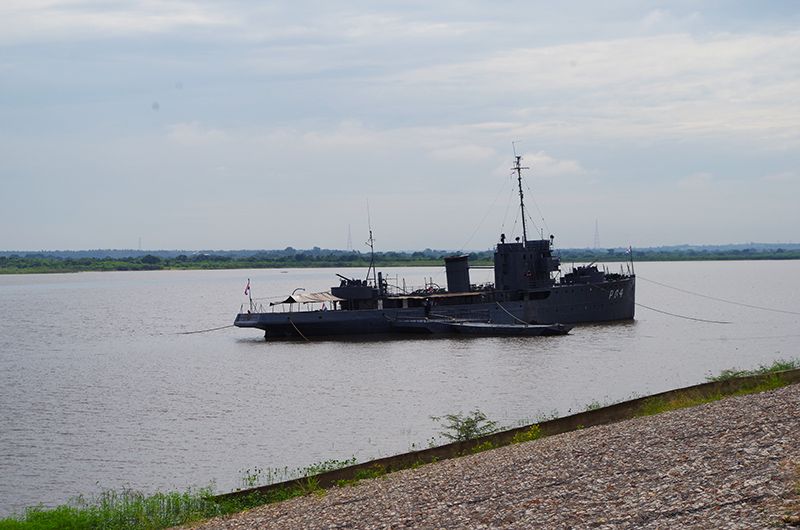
column 594, row 405
column 117, row 510
column 310, row 485
column 485, row 446
column 460, row 428
column 533, row 433
column 373, row 471
column 657, row 405
column 252, row 477
column 257, row 476
column 418, row 464
column 777, row 366
column 327, row 465
column 542, row 417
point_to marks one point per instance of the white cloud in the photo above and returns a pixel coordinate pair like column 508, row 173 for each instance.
column 665, row 20
column 48, row 20
column 392, row 26
column 351, row 135
column 667, row 86
column 546, row 166
column 196, row 134
column 463, row 152
column 696, row 182
column 781, row 177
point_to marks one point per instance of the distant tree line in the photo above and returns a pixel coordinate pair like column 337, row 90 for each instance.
column 677, row 254
column 289, row 257
column 34, row 263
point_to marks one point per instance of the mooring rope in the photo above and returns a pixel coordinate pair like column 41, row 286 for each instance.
column 509, row 314
column 676, row 315
column 204, row 330
column 297, row 330
column 682, row 316
column 719, row 299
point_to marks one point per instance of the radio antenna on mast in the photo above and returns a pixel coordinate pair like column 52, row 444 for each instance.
column 371, row 244
column 518, row 168
column 596, row 235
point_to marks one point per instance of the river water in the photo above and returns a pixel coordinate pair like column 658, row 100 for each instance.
column 98, row 390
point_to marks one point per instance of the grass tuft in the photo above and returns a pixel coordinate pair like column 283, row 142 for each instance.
column 485, row 446
column 533, row 433
column 118, row 510
column 777, row 366
column 657, row 405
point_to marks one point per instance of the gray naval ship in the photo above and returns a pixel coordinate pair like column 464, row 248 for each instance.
column 528, row 289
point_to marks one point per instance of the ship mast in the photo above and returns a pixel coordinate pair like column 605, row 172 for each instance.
column 371, row 244
column 518, row 168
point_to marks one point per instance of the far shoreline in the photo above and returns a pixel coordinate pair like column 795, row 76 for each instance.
column 38, row 265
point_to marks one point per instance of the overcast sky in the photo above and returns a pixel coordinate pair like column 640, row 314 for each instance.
column 238, row 124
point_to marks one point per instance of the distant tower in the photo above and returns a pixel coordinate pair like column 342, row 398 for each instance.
column 349, row 239
column 596, row 235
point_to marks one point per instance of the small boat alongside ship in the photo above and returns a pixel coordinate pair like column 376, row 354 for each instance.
column 529, row 296
column 480, row 329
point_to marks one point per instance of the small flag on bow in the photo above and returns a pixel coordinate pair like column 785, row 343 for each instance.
column 247, row 287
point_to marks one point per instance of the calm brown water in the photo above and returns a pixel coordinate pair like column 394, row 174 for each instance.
column 98, row 391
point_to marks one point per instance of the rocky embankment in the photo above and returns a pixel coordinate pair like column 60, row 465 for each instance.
column 729, row 464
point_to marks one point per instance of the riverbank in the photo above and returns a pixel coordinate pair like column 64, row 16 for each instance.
column 42, row 263
column 131, row 509
column 733, row 463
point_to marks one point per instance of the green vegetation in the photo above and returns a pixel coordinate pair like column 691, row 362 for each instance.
column 533, row 433
column 116, row 260
column 131, row 509
column 691, row 399
column 777, row 366
column 121, row 510
column 481, row 447
column 460, row 428
column 658, row 405
column 724, row 253
column 285, row 259
column 594, row 405
column 374, row 471
column 257, row 476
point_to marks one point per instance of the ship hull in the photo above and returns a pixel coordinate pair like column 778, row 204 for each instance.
column 565, row 304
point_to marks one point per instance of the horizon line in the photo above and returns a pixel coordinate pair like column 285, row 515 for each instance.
column 201, row 250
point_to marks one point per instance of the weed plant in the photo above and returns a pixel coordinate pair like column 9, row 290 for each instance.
column 533, row 433
column 657, row 405
column 124, row 509
column 485, row 446
column 595, row 405
column 129, row 509
column 460, row 428
column 257, row 476
column 777, row 366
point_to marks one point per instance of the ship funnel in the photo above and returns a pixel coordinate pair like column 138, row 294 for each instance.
column 457, row 268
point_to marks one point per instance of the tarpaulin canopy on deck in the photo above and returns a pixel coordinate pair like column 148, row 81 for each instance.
column 302, row 298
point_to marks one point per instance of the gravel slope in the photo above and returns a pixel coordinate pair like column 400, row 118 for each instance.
column 730, row 464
